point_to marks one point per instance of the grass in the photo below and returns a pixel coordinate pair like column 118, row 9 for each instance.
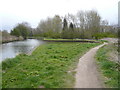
column 109, row 68
column 73, row 40
column 59, row 39
column 50, row 65
column 68, row 39
column 50, row 39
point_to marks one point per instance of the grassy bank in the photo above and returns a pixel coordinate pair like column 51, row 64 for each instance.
column 73, row 40
column 108, row 65
column 50, row 65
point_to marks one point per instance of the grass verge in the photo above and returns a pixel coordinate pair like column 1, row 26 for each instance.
column 50, row 65
column 108, row 68
column 73, row 40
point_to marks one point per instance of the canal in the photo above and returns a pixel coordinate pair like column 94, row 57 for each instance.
column 10, row 50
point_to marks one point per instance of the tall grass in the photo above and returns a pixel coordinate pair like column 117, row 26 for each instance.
column 108, row 68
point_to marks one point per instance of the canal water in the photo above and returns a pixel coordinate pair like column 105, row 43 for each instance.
column 10, row 50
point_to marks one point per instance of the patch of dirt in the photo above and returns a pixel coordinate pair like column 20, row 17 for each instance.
column 113, row 56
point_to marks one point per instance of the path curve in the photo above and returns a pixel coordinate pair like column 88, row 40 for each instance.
column 87, row 75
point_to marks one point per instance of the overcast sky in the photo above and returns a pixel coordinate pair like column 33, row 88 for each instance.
column 32, row 11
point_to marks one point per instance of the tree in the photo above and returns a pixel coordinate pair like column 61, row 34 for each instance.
column 64, row 33
column 93, row 21
column 89, row 22
column 104, row 24
column 22, row 29
column 71, row 18
column 52, row 27
column 81, row 23
column 57, row 24
column 15, row 32
column 71, row 26
column 65, row 24
column 71, row 31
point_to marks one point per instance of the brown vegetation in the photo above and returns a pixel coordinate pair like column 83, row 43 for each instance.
column 6, row 37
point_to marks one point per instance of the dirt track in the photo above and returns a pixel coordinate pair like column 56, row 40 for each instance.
column 87, row 75
column 111, row 40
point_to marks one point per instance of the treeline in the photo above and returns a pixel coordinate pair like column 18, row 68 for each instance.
column 22, row 29
column 85, row 24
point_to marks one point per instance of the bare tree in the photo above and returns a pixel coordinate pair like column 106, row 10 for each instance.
column 57, row 24
column 50, row 27
column 104, row 25
column 89, row 21
column 71, row 18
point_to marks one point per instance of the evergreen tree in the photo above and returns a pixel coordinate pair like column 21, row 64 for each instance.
column 71, row 26
column 65, row 24
column 71, row 31
column 65, row 29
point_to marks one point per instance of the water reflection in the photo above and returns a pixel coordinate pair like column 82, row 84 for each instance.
column 10, row 50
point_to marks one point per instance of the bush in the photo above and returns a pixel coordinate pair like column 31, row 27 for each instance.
column 104, row 35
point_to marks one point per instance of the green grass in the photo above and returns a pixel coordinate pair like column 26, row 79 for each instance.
column 50, row 39
column 68, row 39
column 74, row 40
column 105, row 35
column 108, row 68
column 51, row 65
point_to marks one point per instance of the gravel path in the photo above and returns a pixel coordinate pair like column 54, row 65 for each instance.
column 87, row 75
column 111, row 40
